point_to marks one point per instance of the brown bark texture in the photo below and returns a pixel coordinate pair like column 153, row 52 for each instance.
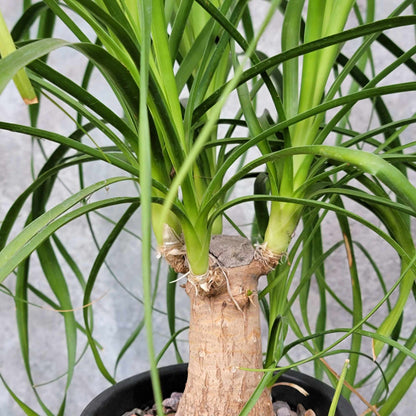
column 224, row 336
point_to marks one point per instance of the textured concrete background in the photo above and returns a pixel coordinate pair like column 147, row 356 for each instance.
column 118, row 311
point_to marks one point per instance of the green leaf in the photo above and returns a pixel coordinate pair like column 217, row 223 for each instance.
column 98, row 263
column 393, row 368
column 28, row 411
column 337, row 394
column 145, row 161
column 21, row 302
column 11, row 64
column 114, row 159
column 58, row 284
column 27, row 19
column 172, row 340
column 272, row 62
column 20, row 78
column 265, row 381
column 171, row 307
column 396, row 395
column 38, row 230
column 260, row 207
column 72, row 26
column 357, row 302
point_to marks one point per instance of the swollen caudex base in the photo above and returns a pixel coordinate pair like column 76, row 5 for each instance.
column 225, row 252
column 224, row 328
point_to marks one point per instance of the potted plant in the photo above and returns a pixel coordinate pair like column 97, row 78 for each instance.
column 171, row 67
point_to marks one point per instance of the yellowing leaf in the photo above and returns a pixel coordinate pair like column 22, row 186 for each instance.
column 21, row 79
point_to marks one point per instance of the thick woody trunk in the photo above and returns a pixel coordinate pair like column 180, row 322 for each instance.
column 224, row 335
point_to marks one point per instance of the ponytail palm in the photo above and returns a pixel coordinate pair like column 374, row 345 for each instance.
column 171, row 67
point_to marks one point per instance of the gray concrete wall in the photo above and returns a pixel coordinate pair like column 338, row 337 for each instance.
column 118, row 312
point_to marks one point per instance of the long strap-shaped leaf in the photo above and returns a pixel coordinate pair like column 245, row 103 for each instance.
column 21, row 80
column 99, row 260
column 367, row 162
column 86, row 98
column 12, row 63
column 116, row 74
column 406, row 381
column 74, row 144
column 145, row 160
column 22, row 318
column 56, row 279
column 240, row 150
column 41, row 227
column 272, row 62
column 28, row 411
column 27, row 19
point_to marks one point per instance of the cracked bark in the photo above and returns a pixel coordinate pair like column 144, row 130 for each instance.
column 224, row 336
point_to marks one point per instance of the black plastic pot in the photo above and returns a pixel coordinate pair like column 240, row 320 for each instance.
column 136, row 391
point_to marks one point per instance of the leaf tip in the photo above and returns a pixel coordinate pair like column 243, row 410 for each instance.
column 29, row 101
column 373, row 350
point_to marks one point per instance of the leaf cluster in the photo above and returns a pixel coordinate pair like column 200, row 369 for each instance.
column 171, row 67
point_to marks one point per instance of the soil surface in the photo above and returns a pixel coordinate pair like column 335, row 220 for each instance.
column 170, row 405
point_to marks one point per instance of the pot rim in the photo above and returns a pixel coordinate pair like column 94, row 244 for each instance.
column 177, row 373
